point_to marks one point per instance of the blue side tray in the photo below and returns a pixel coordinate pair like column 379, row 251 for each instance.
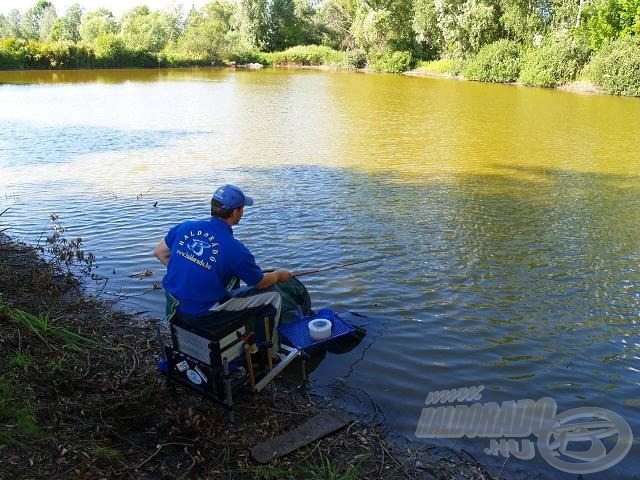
column 297, row 333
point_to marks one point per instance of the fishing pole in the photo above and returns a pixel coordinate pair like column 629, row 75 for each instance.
column 309, row 272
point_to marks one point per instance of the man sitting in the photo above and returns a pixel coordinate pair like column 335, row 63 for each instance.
column 204, row 260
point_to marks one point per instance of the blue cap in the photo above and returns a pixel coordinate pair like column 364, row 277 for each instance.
column 232, row 197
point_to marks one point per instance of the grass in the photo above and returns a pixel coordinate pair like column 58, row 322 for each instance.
column 22, row 360
column 317, row 466
column 46, row 331
column 106, row 454
column 16, row 413
column 321, row 467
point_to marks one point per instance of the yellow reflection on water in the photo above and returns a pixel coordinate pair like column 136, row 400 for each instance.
column 410, row 129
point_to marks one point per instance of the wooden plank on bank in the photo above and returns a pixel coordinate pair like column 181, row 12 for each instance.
column 316, row 427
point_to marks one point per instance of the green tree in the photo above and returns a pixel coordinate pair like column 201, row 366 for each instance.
column 67, row 28
column 521, row 19
column 37, row 21
column 96, row 23
column 384, row 24
column 333, row 23
column 284, row 27
column 210, row 34
column 605, row 20
column 467, row 25
column 427, row 28
column 10, row 25
column 147, row 31
column 254, row 22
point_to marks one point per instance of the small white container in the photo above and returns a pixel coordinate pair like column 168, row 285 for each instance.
column 319, row 329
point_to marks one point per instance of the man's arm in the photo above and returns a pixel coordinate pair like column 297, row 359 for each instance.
column 162, row 252
column 271, row 278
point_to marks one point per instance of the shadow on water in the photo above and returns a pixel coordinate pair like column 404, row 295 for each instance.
column 527, row 287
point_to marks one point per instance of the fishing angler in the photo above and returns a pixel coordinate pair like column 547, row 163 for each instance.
column 205, row 264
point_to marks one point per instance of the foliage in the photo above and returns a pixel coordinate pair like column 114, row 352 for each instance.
column 427, row 27
column 10, row 25
column 284, row 27
column 355, row 59
column 22, row 360
column 253, row 17
column 36, row 23
column 372, row 29
column 321, row 467
column 243, row 56
column 333, row 22
column 146, row 31
column 556, row 62
column 466, row 26
column 390, row 61
column 380, row 25
column 605, row 20
column 497, row 62
column 67, row 28
column 443, row 67
column 307, row 55
column 616, row 68
column 14, row 53
column 106, row 454
column 521, row 20
column 209, row 36
column 96, row 24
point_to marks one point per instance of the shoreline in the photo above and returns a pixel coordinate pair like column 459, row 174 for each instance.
column 98, row 408
column 577, row 86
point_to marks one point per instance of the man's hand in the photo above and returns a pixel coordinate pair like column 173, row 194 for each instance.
column 271, row 278
column 283, row 275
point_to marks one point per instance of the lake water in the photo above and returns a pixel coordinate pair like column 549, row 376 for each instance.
column 508, row 220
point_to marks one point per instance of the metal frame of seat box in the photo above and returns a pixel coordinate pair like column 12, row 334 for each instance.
column 202, row 360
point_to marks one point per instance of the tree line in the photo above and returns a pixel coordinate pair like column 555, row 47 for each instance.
column 537, row 42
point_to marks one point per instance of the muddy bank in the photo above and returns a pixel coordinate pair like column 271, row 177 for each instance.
column 81, row 398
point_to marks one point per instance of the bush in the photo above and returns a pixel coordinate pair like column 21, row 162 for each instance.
column 355, row 59
column 557, row 61
column 616, row 68
column 14, row 53
column 242, row 56
column 58, row 55
column 388, row 61
column 496, row 62
column 307, row 55
column 446, row 66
